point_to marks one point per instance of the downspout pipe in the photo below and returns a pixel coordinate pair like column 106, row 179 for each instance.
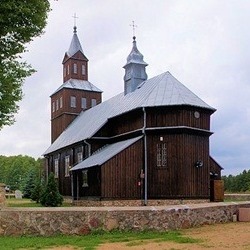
column 89, row 147
column 145, row 158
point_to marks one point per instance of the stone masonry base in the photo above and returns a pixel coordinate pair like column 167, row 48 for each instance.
column 82, row 220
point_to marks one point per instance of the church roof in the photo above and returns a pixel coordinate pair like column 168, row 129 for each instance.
column 78, row 84
column 161, row 90
column 75, row 45
column 105, row 153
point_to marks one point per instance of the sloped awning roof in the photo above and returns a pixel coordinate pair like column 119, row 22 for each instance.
column 105, row 154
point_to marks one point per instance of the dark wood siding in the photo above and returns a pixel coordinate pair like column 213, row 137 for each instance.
column 120, row 174
column 94, row 183
column 180, row 178
column 178, row 116
column 123, row 124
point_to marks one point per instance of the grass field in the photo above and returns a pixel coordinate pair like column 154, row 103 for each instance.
column 90, row 242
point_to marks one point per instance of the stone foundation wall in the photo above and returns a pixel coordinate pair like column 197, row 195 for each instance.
column 238, row 197
column 2, row 195
column 131, row 203
column 82, row 220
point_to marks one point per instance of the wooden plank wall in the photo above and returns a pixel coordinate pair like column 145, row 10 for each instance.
column 180, row 178
column 120, row 174
column 178, row 116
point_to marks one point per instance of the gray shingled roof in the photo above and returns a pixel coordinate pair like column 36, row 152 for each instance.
column 161, row 90
column 75, row 45
column 78, row 84
column 104, row 154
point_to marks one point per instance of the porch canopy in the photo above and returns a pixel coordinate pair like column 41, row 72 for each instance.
column 104, row 154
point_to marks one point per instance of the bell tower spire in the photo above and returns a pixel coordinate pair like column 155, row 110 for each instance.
column 135, row 68
column 76, row 94
column 75, row 63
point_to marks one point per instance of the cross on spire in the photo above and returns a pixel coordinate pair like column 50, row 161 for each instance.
column 134, row 26
column 75, row 17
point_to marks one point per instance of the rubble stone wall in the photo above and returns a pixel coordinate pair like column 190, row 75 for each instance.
column 82, row 220
column 2, row 195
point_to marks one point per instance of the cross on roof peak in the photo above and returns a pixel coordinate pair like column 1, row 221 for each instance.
column 134, row 26
column 75, row 17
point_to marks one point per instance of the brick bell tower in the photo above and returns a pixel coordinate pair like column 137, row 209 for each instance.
column 76, row 94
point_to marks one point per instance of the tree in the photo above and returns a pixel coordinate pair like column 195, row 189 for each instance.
column 51, row 196
column 20, row 22
column 37, row 191
column 30, row 183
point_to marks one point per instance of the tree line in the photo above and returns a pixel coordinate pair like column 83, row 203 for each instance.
column 27, row 174
column 238, row 183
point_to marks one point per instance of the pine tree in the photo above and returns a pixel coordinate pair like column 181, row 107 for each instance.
column 51, row 196
column 30, row 183
column 37, row 191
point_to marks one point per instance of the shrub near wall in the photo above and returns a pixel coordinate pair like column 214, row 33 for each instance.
column 80, row 220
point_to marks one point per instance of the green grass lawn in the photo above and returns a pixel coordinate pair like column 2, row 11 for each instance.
column 90, row 242
column 13, row 202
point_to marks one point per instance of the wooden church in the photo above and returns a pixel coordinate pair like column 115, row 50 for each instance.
column 149, row 142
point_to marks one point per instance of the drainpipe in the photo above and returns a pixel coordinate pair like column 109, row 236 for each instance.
column 145, row 158
column 89, row 147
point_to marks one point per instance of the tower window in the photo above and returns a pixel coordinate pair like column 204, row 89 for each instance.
column 61, row 102
column 68, row 70
column 53, row 106
column 84, row 103
column 56, row 168
column 57, row 104
column 73, row 102
column 83, row 70
column 93, row 102
column 75, row 68
column 67, row 163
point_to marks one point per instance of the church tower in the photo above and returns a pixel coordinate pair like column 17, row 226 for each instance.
column 135, row 70
column 76, row 94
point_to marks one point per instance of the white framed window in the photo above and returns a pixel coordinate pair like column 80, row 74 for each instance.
column 161, row 155
column 56, row 166
column 53, row 107
column 61, row 102
column 68, row 69
column 83, row 70
column 93, row 102
column 79, row 157
column 72, row 101
column 85, row 178
column 84, row 103
column 57, row 104
column 67, row 165
column 75, row 68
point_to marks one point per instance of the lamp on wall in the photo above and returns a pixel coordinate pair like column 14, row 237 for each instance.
column 199, row 164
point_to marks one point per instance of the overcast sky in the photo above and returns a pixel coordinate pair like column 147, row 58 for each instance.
column 204, row 44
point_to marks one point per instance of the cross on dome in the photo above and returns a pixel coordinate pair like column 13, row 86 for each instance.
column 134, row 26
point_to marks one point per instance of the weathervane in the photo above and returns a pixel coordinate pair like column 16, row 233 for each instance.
column 134, row 26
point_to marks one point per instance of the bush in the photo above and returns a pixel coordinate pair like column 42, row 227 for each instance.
column 51, row 196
